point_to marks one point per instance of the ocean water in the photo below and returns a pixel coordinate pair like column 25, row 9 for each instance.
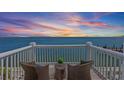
column 10, row 43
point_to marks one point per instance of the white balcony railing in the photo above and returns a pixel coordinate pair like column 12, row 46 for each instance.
column 107, row 64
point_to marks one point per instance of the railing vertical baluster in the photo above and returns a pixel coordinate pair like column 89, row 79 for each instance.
column 11, row 67
column 73, row 55
column 28, row 55
column 25, row 56
column 39, row 55
column 36, row 54
column 32, row 54
column 50, row 56
column 47, row 55
column 6, row 68
column 64, row 54
column 106, row 66
column 42, row 54
column 96, row 60
column 14, row 66
column 21, row 56
column 17, row 65
column 121, row 69
column 20, row 65
column 53, row 54
column 21, row 60
column 68, row 55
column 72, row 50
column 103, row 64
column 111, row 67
column 79, row 54
column 114, row 68
column 2, row 68
column 56, row 57
column 100, row 60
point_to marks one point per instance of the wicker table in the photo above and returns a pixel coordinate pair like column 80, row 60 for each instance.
column 59, row 72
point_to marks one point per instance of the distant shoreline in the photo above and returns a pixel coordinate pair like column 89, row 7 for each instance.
column 63, row 37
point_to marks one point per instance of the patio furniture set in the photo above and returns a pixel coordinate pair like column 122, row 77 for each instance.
column 33, row 71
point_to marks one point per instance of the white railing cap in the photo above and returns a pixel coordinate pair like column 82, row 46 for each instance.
column 89, row 43
column 11, row 52
column 115, row 53
column 32, row 43
column 79, row 45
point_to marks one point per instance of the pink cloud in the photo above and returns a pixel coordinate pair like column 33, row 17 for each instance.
column 96, row 24
column 23, row 31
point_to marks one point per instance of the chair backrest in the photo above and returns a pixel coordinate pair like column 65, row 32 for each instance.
column 42, row 72
column 80, row 71
column 72, row 72
column 30, row 72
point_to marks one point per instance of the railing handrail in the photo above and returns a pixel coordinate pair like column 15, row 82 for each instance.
column 116, row 53
column 4, row 54
column 78, row 45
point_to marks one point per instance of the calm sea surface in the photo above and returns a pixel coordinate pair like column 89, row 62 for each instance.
column 9, row 43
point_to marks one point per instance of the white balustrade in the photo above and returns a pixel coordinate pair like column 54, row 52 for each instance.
column 10, row 63
column 108, row 64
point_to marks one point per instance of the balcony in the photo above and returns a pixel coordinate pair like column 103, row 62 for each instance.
column 107, row 64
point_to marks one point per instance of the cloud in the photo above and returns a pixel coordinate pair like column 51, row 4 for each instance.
column 23, row 31
column 69, row 26
column 16, row 22
column 77, row 20
column 98, row 15
column 96, row 24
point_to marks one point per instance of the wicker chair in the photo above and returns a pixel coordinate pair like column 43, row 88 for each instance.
column 30, row 72
column 42, row 72
column 72, row 72
column 80, row 71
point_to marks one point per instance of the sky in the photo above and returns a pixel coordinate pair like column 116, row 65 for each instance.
column 61, row 24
